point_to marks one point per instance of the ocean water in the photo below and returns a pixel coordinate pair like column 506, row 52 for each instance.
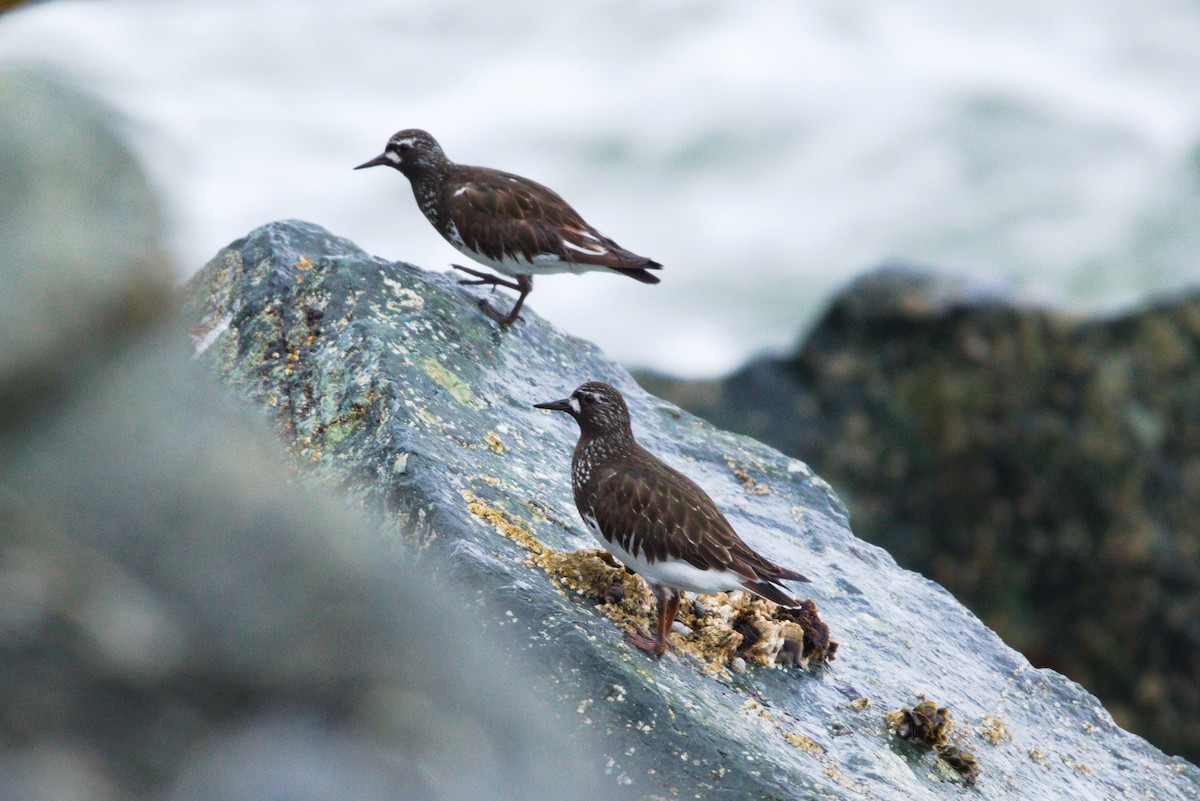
column 765, row 151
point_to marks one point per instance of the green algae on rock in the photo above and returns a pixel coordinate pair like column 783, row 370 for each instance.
column 477, row 478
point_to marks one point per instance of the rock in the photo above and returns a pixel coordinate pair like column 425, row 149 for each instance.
column 387, row 381
column 81, row 229
column 181, row 617
column 1042, row 467
column 680, row 629
column 182, row 620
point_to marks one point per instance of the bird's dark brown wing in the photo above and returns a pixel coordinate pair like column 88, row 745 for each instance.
column 683, row 522
column 505, row 216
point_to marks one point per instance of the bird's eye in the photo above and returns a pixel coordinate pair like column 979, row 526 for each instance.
column 405, row 147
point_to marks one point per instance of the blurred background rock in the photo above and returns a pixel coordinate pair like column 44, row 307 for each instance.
column 1045, row 468
column 179, row 619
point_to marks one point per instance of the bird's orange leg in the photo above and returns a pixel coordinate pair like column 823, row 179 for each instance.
column 668, row 607
column 484, row 278
column 523, row 285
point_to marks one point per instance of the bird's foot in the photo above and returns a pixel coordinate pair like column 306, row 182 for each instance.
column 523, row 286
column 644, row 641
column 505, row 320
column 484, row 278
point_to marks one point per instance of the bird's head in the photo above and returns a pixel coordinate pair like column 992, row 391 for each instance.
column 410, row 151
column 597, row 407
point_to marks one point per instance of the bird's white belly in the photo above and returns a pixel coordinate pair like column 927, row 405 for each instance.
column 546, row 264
column 669, row 572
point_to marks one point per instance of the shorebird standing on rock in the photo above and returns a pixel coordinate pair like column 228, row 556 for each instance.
column 654, row 519
column 512, row 224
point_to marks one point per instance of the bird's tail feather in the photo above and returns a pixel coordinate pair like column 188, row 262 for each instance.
column 640, row 274
column 788, row 575
column 765, row 589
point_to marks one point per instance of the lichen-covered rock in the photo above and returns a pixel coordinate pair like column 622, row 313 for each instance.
column 389, row 381
column 1042, row 467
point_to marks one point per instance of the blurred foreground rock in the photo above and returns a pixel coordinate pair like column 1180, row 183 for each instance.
column 181, row 617
column 1043, row 468
column 388, row 381
column 79, row 235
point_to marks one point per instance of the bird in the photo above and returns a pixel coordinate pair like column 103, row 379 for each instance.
column 655, row 520
column 516, row 226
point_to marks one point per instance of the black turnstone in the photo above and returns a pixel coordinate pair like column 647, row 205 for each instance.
column 512, row 224
column 654, row 519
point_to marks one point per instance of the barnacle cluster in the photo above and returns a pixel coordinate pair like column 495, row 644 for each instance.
column 721, row 627
column 727, row 626
column 925, row 722
column 595, row 574
column 817, row 646
column 963, row 762
column 930, row 724
column 993, row 730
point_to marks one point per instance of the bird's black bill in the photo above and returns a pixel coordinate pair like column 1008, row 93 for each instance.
column 563, row 405
column 378, row 161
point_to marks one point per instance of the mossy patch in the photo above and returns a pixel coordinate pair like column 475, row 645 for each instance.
column 455, row 387
column 500, row 521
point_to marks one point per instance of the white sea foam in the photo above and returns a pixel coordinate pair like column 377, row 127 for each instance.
column 764, row 152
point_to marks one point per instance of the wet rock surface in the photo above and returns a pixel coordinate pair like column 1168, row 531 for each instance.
column 1044, row 468
column 388, row 381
